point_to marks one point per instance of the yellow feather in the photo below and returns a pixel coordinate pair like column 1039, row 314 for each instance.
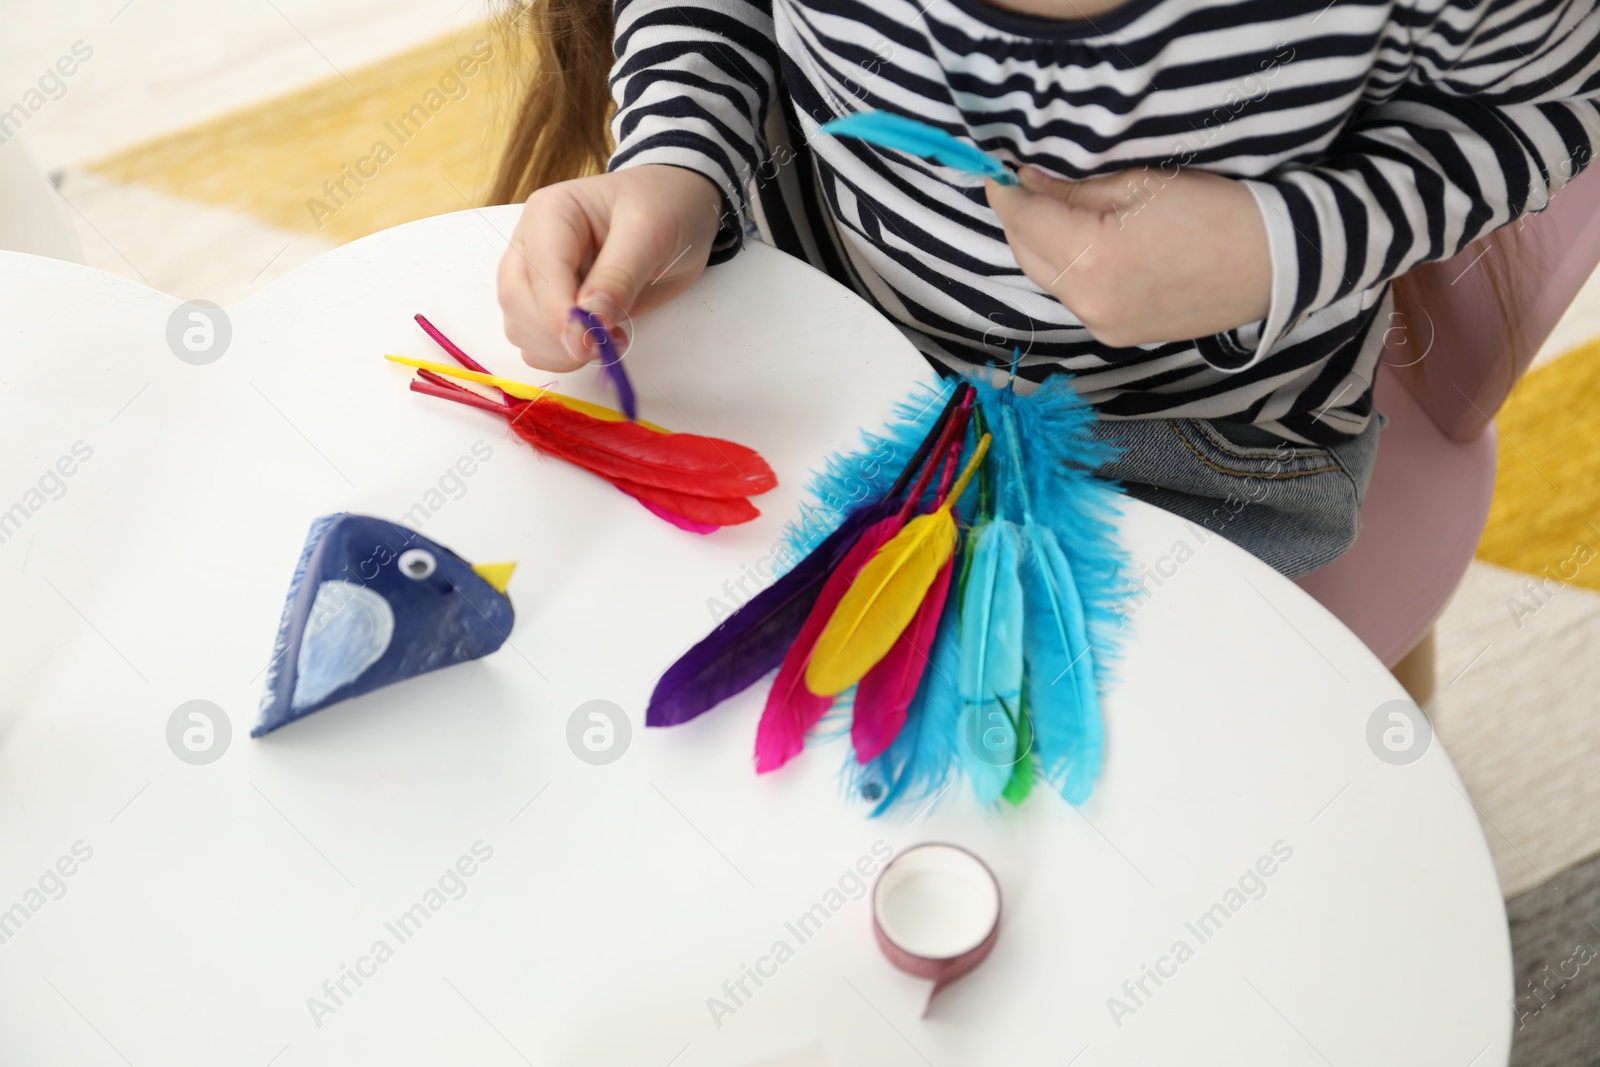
column 884, row 597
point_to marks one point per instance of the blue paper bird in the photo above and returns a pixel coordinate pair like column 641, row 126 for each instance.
column 373, row 603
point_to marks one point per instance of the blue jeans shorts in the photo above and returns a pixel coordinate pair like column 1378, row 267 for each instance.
column 1295, row 507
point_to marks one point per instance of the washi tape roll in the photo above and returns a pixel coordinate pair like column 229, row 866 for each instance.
column 936, row 913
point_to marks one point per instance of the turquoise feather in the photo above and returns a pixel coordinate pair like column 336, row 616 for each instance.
column 919, row 139
column 1073, row 574
column 990, row 672
column 1068, row 734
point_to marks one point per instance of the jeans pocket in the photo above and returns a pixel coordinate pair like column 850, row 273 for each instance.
column 1242, row 450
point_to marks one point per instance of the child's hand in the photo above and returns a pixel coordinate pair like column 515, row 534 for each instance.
column 616, row 244
column 1139, row 257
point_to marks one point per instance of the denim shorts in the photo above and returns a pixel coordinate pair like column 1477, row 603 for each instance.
column 1295, row 507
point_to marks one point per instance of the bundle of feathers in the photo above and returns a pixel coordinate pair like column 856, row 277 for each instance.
column 957, row 604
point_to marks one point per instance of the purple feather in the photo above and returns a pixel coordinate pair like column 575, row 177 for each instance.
column 752, row 641
column 610, row 360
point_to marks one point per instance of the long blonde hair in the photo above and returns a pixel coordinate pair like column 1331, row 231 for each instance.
column 560, row 129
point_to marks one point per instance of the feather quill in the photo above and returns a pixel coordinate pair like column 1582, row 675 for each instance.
column 879, row 604
column 990, row 674
column 907, row 135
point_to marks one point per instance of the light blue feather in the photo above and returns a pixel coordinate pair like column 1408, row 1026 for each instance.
column 1068, row 733
column 990, row 672
column 1075, row 571
column 919, row 139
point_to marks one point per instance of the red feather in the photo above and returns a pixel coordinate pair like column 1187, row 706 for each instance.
column 696, row 483
column 621, row 449
column 712, row 510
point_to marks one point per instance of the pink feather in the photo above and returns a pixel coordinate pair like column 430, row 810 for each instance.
column 885, row 692
column 677, row 520
column 792, row 709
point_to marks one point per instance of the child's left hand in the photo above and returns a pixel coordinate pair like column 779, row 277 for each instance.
column 1140, row 258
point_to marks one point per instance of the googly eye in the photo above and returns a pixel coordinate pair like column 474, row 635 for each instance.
column 417, row 563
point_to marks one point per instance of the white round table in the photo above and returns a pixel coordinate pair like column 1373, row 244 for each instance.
column 1250, row 883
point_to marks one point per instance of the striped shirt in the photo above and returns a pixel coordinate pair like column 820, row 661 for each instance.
column 1375, row 136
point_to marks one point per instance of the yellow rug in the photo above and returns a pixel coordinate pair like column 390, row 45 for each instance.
column 415, row 135
column 1545, row 519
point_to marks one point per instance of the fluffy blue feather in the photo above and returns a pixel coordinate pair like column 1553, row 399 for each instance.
column 848, row 479
column 990, row 672
column 1075, row 570
column 919, row 139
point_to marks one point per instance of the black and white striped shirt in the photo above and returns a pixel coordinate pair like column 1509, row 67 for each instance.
column 1375, row 136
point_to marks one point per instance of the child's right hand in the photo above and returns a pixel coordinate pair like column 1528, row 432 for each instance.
column 616, row 244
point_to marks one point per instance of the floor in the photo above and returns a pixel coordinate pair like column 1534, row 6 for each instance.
column 191, row 150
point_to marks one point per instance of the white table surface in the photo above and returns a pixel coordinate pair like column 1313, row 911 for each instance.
column 618, row 898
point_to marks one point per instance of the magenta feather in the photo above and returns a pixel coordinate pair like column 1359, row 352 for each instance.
column 884, row 694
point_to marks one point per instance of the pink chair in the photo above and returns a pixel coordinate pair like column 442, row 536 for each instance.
column 1429, row 497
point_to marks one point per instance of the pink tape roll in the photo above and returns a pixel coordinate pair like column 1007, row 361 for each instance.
column 936, row 913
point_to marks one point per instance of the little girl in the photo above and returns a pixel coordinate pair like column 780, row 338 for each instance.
column 1215, row 196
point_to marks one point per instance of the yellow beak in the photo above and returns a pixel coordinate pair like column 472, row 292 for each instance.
column 497, row 575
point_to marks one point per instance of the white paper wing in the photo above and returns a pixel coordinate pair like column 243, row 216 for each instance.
column 347, row 631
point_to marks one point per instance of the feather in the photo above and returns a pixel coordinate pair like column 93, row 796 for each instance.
column 880, row 603
column 695, row 483
column 677, row 520
column 792, row 708
column 1061, row 661
column 885, row 692
column 919, row 139
column 916, row 766
column 990, row 674
column 692, row 481
column 610, row 360
column 1061, row 687
column 711, row 510
column 847, row 479
column 752, row 641
column 685, row 463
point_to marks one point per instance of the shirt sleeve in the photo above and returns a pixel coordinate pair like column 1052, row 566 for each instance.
column 1501, row 108
column 692, row 81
